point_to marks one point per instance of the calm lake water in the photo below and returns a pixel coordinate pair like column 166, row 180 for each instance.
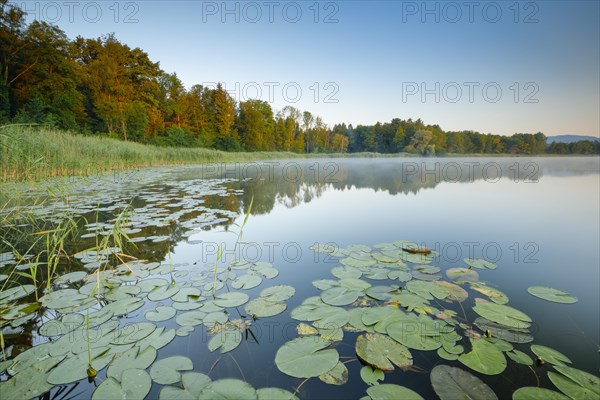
column 537, row 219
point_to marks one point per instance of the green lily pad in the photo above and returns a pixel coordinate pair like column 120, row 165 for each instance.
column 537, row 393
column 419, row 333
column 213, row 318
column 338, row 375
column 186, row 294
column 124, row 307
column 381, row 351
column 462, row 274
column 191, row 318
column 452, row 383
column 225, row 340
column 500, row 331
column 71, row 277
column 31, row 382
column 134, row 332
column 247, row 281
column 493, row 294
column 228, row 389
column 402, row 276
column 551, row 294
column 131, row 359
column 74, row 368
column 231, row 299
column 265, row 269
column 135, row 384
column 577, row 384
column 56, row 327
column 278, row 293
column 193, row 383
column 371, row 376
column 262, row 308
column 484, row 358
column 157, row 339
column 550, row 355
column 446, row 355
column 502, row 314
column 166, row 371
column 274, row 394
column 339, row 296
column 519, row 357
column 160, row 313
column 479, row 263
column 305, row 357
column 16, row 293
column 455, row 292
column 388, row 391
column 163, row 292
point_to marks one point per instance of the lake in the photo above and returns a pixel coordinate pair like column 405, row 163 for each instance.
column 215, row 238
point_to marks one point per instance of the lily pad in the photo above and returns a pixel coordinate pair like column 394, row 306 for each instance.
column 502, row 314
column 274, row 394
column 519, row 357
column 166, row 371
column 135, row 384
column 550, row 355
column 381, row 351
column 278, row 293
column 31, row 382
column 392, row 392
column 537, row 393
column 231, row 299
column 262, row 308
column 577, row 384
column 193, row 383
column 484, row 358
column 462, row 274
column 160, row 313
column 305, row 357
column 74, row 368
column 131, row 359
column 338, row 375
column 452, row 383
column 247, row 281
column 371, row 376
column 339, row 296
column 228, row 389
column 479, row 263
column 225, row 340
column 551, row 294
column 493, row 294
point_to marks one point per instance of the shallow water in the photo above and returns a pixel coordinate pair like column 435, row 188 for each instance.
column 537, row 219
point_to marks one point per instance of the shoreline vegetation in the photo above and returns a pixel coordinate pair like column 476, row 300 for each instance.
column 29, row 153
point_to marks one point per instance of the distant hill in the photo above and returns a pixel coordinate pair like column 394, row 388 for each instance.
column 569, row 138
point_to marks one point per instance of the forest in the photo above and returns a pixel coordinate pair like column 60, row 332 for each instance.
column 101, row 86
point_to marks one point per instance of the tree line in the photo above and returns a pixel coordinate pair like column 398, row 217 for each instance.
column 102, row 86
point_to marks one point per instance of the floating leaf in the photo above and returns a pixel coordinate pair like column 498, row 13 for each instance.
column 338, row 375
column 502, row 314
column 378, row 350
column 191, row 318
column 339, row 296
column 455, row 292
column 484, row 358
column 551, row 294
column 274, row 394
column 193, row 383
column 225, row 340
column 493, row 294
column 134, row 332
column 519, row 357
column 56, row 327
column 462, row 274
column 227, row 389
column 247, row 281
column 231, row 299
column 160, row 313
column 392, row 392
column 305, row 329
column 305, row 358
column 371, row 376
column 278, row 293
column 577, row 384
column 262, row 308
column 71, row 277
column 135, row 384
column 166, row 371
column 480, row 263
column 74, row 368
column 452, row 383
column 507, row 333
column 163, row 292
column 131, row 359
column 16, row 293
column 550, row 355
column 537, row 393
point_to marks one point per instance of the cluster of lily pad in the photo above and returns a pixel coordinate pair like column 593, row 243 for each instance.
column 411, row 314
column 82, row 320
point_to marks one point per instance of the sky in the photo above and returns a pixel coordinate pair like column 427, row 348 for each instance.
column 497, row 67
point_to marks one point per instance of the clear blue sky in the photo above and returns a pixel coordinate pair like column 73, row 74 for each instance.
column 383, row 59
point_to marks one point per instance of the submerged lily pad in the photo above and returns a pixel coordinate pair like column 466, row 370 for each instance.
column 452, row 383
column 551, row 294
column 484, row 358
column 305, row 357
column 381, row 351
